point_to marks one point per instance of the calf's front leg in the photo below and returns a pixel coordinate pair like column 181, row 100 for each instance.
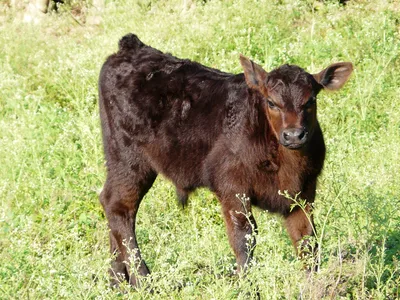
column 240, row 226
column 299, row 224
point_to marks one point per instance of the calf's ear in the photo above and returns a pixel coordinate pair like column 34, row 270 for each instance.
column 334, row 76
column 255, row 75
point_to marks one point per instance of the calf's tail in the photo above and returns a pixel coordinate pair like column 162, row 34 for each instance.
column 130, row 42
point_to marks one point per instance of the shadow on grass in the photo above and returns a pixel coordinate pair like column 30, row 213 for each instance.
column 384, row 241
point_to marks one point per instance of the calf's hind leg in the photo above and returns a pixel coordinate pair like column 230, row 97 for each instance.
column 121, row 197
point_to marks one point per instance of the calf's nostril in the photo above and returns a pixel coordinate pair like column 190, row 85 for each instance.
column 302, row 134
column 286, row 136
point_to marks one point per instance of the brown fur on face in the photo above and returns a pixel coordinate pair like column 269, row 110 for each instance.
column 254, row 133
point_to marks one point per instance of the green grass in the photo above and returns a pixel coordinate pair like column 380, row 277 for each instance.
column 53, row 232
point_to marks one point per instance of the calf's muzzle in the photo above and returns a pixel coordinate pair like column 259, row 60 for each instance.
column 293, row 138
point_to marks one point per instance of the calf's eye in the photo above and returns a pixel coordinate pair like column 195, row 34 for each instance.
column 271, row 104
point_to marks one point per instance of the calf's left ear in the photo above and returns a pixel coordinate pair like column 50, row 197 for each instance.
column 334, row 76
column 254, row 74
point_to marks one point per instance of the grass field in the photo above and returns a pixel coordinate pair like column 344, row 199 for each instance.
column 53, row 233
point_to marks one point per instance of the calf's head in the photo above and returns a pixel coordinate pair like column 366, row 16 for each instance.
column 290, row 97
